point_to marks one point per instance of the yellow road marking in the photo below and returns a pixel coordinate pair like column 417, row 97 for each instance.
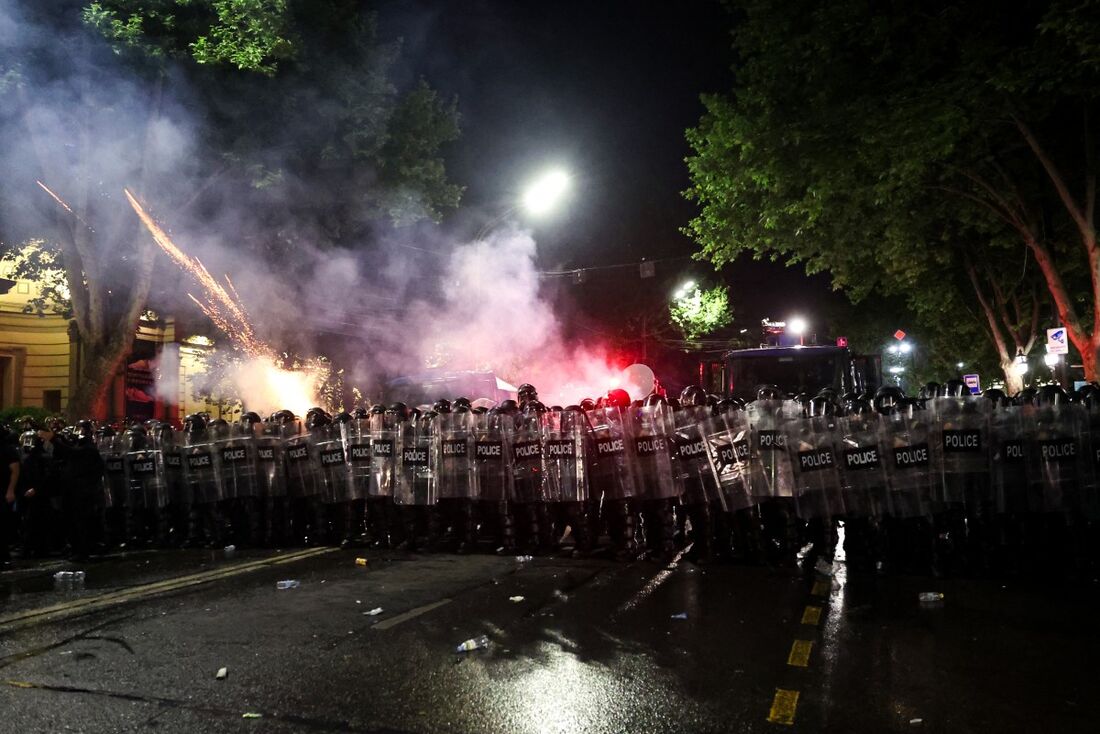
column 811, row 615
column 20, row 684
column 114, row 598
column 411, row 614
column 821, row 588
column 800, row 653
column 783, row 706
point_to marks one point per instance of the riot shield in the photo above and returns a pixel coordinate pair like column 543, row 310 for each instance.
column 961, row 450
column 356, row 434
column 492, row 465
column 455, row 446
column 1011, row 428
column 271, row 460
column 692, row 461
column 565, row 441
column 523, row 442
column 145, row 472
column 302, row 470
column 725, row 438
column 200, row 467
column 815, row 469
column 862, row 455
column 417, row 462
column 911, row 471
column 615, row 471
column 386, row 438
column 654, row 441
column 236, row 450
column 769, row 465
column 329, row 457
column 114, row 468
column 1058, row 466
column 166, row 442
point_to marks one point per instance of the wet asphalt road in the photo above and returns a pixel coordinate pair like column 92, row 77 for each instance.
column 593, row 647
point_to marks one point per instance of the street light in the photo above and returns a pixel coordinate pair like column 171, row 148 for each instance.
column 544, row 192
column 905, row 347
column 1051, row 360
column 797, row 326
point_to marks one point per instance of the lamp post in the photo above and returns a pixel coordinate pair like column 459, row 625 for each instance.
column 797, row 326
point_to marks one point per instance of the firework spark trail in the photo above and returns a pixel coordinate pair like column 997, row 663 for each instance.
column 64, row 206
column 222, row 308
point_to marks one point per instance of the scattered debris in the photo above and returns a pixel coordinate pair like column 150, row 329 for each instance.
column 230, row 551
column 289, row 584
column 474, row 643
column 374, row 612
column 516, row 599
column 69, row 576
column 222, row 674
column 931, row 597
column 916, row 722
column 681, row 615
column 524, row 559
column 360, row 561
column 251, row 715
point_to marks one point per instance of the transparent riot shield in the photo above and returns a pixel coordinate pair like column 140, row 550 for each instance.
column 166, row 441
column 654, row 432
column 456, row 448
column 329, row 457
column 114, row 468
column 615, row 472
column 690, row 451
column 145, row 472
column 236, row 451
column 271, row 461
column 1057, row 458
column 961, row 450
column 725, row 438
column 566, row 444
column 1090, row 497
column 862, row 455
column 1011, row 429
column 815, row 470
column 769, row 465
column 492, row 465
column 386, row 437
column 200, row 467
column 417, row 462
column 911, row 471
column 357, row 445
column 302, row 470
column 523, row 441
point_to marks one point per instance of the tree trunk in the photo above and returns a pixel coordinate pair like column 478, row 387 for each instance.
column 1014, row 382
column 98, row 365
column 1089, row 358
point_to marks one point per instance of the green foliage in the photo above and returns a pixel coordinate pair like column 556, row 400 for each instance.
column 873, row 143
column 301, row 111
column 700, row 312
column 40, row 261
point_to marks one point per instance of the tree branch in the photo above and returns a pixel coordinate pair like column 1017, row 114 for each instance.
column 991, row 319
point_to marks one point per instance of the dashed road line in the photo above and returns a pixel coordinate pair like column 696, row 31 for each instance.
column 783, row 707
column 811, row 615
column 800, row 653
column 411, row 614
column 821, row 588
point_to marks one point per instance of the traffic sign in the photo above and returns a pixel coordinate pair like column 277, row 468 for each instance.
column 973, row 382
column 842, row 341
column 899, row 335
column 1056, row 341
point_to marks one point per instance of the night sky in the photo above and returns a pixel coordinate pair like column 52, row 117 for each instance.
column 605, row 90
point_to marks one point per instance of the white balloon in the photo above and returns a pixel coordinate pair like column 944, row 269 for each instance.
column 640, row 377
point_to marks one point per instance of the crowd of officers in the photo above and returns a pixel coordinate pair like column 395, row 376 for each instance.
column 942, row 482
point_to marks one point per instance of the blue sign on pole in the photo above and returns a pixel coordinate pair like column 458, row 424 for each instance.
column 973, row 383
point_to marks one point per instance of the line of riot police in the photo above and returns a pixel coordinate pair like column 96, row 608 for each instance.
column 944, row 482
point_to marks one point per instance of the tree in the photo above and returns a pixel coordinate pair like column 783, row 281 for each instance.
column 697, row 312
column 277, row 115
column 938, row 151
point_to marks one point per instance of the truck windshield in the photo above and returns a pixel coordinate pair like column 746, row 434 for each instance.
column 792, row 374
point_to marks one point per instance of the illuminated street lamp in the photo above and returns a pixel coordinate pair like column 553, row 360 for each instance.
column 797, row 326
column 1051, row 360
column 905, row 347
column 545, row 192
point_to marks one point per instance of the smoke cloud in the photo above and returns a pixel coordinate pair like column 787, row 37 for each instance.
column 404, row 302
